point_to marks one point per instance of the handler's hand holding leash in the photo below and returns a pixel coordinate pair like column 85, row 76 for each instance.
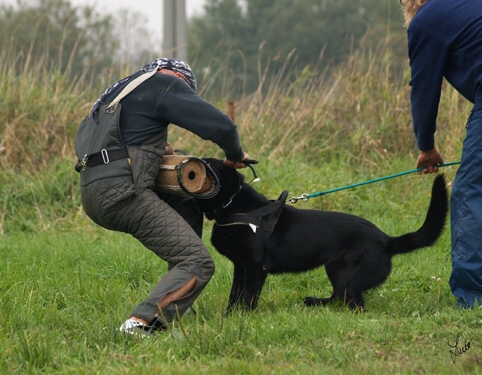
column 238, row 164
column 430, row 161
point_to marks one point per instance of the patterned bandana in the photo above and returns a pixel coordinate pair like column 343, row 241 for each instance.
column 177, row 66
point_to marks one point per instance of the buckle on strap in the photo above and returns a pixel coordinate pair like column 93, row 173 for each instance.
column 105, row 156
column 83, row 163
column 102, row 157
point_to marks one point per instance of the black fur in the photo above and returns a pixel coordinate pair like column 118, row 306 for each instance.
column 355, row 253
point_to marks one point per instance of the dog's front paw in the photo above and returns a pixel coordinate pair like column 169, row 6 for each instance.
column 315, row 301
column 312, row 301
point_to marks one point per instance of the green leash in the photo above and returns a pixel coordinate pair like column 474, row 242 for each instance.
column 304, row 197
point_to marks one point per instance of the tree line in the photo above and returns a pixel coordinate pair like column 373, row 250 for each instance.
column 234, row 46
column 249, row 37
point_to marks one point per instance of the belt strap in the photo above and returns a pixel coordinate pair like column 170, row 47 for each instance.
column 102, row 157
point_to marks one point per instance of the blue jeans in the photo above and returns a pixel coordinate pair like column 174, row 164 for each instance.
column 466, row 219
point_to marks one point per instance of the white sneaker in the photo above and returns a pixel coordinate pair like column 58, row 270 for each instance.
column 135, row 327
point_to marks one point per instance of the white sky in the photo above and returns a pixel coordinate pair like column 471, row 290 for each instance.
column 152, row 9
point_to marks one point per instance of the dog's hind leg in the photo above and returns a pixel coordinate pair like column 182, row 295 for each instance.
column 354, row 300
column 344, row 288
column 315, row 301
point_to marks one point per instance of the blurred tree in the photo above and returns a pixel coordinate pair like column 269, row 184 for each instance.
column 248, row 36
column 137, row 45
column 76, row 41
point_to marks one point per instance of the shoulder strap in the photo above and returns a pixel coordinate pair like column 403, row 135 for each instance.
column 130, row 87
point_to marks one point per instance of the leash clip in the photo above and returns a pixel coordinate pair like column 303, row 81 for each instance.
column 303, row 197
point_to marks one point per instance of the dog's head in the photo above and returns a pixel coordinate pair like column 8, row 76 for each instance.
column 230, row 183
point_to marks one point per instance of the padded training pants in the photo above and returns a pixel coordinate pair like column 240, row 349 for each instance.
column 114, row 204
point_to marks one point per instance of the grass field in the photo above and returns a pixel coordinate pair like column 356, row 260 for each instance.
column 65, row 290
column 66, row 284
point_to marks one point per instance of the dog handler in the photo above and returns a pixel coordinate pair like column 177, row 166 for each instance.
column 126, row 143
column 445, row 41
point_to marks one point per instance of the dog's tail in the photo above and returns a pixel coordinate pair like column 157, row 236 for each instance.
column 432, row 227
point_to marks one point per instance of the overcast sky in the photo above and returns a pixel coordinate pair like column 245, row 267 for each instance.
column 152, row 9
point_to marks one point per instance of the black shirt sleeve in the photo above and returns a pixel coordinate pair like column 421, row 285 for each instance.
column 165, row 99
column 181, row 106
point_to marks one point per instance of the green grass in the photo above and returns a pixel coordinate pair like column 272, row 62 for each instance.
column 64, row 292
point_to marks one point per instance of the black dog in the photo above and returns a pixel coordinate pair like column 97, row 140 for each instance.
column 261, row 236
